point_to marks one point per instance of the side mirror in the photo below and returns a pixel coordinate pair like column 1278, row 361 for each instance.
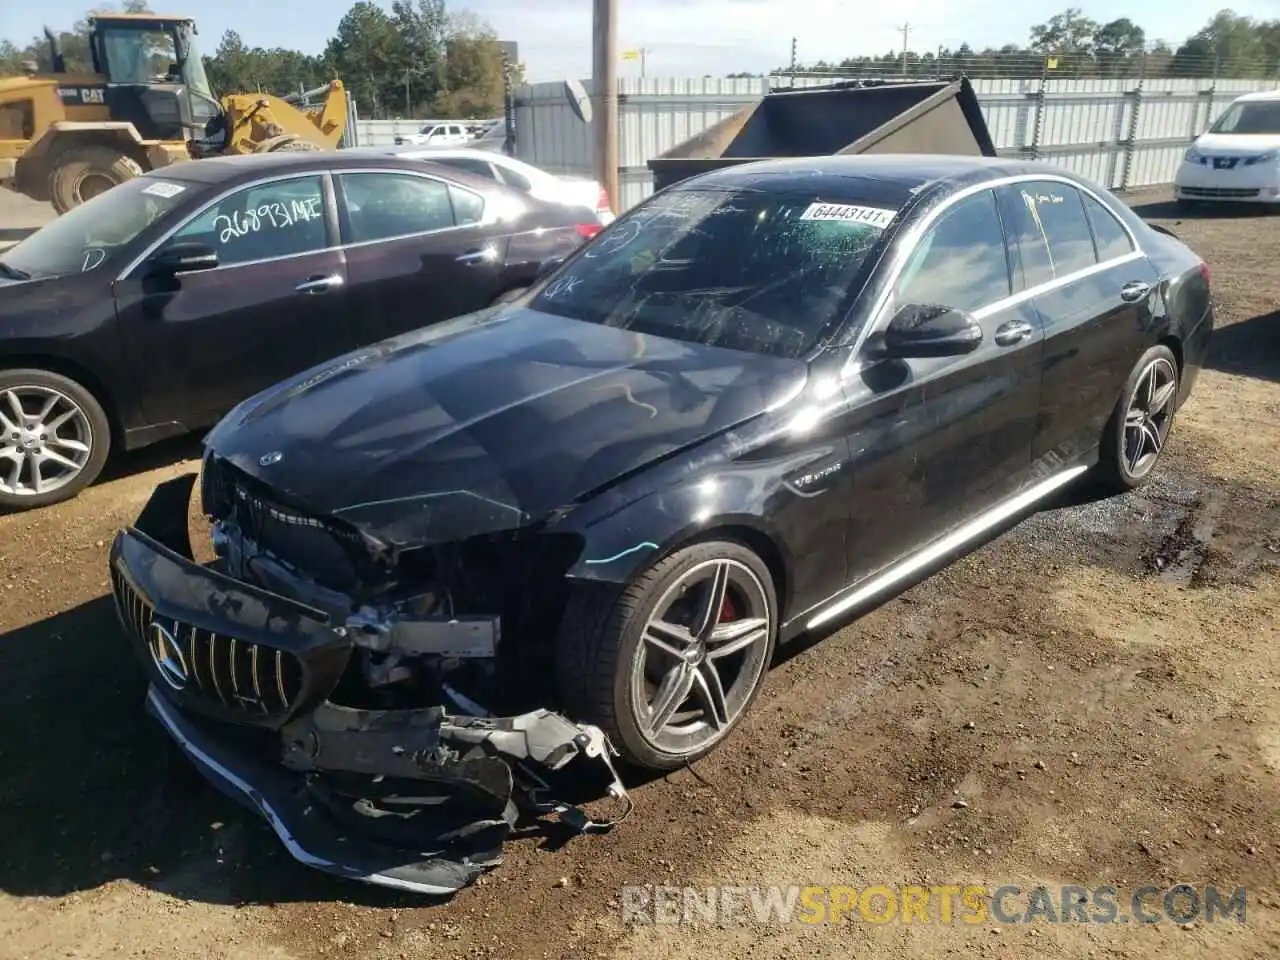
column 930, row 330
column 548, row 267
column 185, row 257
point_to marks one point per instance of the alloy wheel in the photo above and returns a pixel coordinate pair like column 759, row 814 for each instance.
column 45, row 440
column 702, row 654
column 1149, row 416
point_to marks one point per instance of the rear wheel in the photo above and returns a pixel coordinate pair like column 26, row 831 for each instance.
column 54, row 438
column 82, row 173
column 1139, row 426
column 671, row 667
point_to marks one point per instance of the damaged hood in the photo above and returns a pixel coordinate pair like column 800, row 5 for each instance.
column 490, row 421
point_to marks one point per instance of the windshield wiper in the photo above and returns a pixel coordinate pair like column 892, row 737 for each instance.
column 13, row 273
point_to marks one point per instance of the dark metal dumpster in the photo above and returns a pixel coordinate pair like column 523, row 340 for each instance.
column 936, row 116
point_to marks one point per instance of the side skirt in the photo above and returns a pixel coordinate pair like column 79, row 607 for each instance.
column 910, row 568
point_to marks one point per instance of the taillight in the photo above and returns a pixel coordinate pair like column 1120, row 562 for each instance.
column 1204, row 271
column 588, row 230
column 602, row 202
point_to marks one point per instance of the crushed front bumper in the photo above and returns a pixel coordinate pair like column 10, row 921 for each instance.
column 414, row 799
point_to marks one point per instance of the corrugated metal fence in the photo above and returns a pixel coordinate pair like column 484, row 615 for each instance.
column 1118, row 132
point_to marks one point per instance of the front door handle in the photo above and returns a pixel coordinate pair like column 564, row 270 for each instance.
column 482, row 255
column 319, row 284
column 1015, row 331
column 1134, row 290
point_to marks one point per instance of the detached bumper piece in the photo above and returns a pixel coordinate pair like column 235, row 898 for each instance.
column 418, row 800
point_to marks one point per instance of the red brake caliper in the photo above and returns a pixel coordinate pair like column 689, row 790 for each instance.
column 727, row 610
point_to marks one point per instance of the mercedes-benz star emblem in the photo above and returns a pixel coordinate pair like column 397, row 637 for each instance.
column 267, row 459
column 166, row 654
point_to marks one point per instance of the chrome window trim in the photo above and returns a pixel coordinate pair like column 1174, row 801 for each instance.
column 214, row 201
column 907, row 246
column 1050, row 285
column 275, row 178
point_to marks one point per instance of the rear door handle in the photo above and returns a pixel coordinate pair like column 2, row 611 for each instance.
column 1015, row 331
column 1134, row 290
column 320, row 284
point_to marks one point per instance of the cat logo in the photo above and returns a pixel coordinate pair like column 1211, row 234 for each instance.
column 83, row 96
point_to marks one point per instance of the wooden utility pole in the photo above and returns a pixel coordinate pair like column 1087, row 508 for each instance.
column 605, row 75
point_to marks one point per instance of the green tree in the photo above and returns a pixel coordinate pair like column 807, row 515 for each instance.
column 423, row 29
column 1066, row 33
column 11, row 59
column 368, row 54
column 1117, row 46
column 1229, row 46
column 473, row 81
column 1068, row 38
column 229, row 69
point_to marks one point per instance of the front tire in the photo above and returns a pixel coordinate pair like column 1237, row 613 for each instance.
column 1139, row 427
column 83, row 173
column 54, row 438
column 670, row 668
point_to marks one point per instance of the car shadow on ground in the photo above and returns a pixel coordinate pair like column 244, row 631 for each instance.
column 93, row 790
column 1250, row 348
column 1080, row 493
column 166, row 453
column 1172, row 210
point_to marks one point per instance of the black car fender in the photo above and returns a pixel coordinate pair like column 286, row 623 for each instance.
column 645, row 530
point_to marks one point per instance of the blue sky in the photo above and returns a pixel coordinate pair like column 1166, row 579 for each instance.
column 684, row 37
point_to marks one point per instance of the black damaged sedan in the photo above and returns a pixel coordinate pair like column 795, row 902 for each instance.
column 577, row 525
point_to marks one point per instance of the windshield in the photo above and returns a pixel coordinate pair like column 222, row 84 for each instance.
column 137, row 55
column 87, row 236
column 193, row 73
column 747, row 270
column 1251, row 116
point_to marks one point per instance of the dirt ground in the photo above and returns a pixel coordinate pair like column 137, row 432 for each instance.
column 20, row 216
column 1092, row 699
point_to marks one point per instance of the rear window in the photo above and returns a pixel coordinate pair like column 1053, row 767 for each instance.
column 747, row 270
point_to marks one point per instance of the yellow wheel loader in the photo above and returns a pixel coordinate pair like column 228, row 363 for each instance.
column 66, row 137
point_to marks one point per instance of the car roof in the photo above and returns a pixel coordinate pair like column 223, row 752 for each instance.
column 420, row 151
column 1261, row 95
column 895, row 178
column 424, row 154
column 228, row 170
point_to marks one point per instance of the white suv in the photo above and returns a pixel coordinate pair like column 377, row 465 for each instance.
column 1238, row 159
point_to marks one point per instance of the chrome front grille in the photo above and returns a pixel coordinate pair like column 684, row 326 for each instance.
column 240, row 676
column 1220, row 193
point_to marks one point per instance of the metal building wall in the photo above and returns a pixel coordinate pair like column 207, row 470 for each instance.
column 1084, row 125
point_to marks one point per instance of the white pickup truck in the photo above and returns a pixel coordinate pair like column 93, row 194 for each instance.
column 448, row 134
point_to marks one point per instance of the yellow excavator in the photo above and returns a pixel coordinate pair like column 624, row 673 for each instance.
column 65, row 137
